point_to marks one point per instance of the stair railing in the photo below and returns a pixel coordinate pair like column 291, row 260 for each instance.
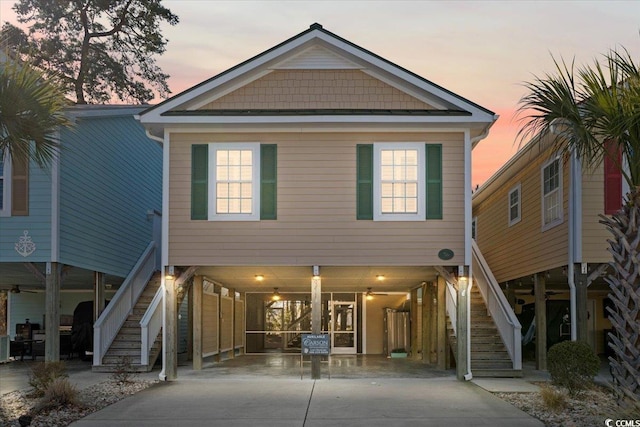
column 499, row 308
column 121, row 305
column 150, row 325
column 452, row 303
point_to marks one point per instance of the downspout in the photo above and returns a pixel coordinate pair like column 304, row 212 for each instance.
column 467, row 234
column 575, row 225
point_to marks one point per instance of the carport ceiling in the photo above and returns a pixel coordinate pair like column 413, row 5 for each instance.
column 73, row 278
column 334, row 279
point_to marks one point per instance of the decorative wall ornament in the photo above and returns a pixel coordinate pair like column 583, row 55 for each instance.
column 25, row 245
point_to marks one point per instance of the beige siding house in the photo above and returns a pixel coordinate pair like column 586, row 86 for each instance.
column 536, row 222
column 313, row 165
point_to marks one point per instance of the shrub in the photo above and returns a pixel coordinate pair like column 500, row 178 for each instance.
column 44, row 373
column 59, row 393
column 572, row 364
column 552, row 398
column 124, row 372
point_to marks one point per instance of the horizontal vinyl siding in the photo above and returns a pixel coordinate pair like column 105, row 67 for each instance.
column 594, row 234
column 37, row 223
column 316, row 221
column 111, row 177
column 523, row 248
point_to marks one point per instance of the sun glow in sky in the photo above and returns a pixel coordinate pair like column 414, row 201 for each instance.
column 481, row 50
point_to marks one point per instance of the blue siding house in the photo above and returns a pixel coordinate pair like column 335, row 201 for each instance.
column 74, row 231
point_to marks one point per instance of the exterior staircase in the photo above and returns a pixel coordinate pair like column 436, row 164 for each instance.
column 124, row 352
column 489, row 356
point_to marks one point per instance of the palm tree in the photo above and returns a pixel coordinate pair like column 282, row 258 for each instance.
column 581, row 111
column 31, row 112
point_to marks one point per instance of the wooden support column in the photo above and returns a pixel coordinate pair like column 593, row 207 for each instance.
column 433, row 322
column 232, row 294
column 580, row 280
column 415, row 339
column 170, row 342
column 441, row 351
column 98, row 294
column 540, row 289
column 196, row 310
column 426, row 322
column 190, row 323
column 52, row 313
column 316, row 312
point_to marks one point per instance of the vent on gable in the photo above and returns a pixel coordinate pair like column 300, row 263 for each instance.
column 317, row 58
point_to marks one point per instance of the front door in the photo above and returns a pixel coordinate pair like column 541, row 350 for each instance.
column 343, row 327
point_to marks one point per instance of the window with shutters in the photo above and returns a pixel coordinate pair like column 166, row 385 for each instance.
column 551, row 194
column 234, row 174
column 399, row 181
column 233, row 181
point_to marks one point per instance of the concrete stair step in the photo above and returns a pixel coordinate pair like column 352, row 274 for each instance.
column 497, row 373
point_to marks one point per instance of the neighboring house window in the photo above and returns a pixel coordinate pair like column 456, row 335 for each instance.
column 399, row 181
column 551, row 194
column 4, row 186
column 14, row 188
column 233, row 182
column 612, row 178
column 474, row 227
column 514, row 205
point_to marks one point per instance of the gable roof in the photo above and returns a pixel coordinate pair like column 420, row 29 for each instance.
column 328, row 50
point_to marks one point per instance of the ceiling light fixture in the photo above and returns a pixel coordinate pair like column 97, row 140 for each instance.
column 259, row 277
column 380, row 277
column 276, row 295
column 368, row 295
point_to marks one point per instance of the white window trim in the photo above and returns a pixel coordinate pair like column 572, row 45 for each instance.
column 514, row 189
column 255, row 203
column 377, row 202
column 560, row 218
column 6, row 196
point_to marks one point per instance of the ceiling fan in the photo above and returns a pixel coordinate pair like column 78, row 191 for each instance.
column 370, row 294
column 16, row 290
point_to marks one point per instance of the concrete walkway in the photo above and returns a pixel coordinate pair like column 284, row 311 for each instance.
column 229, row 401
column 267, row 391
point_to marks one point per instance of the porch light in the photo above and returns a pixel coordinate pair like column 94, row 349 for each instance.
column 259, row 277
column 380, row 277
column 276, row 295
column 170, row 272
column 368, row 295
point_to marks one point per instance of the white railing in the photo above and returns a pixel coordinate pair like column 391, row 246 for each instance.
column 452, row 303
column 499, row 309
column 121, row 305
column 150, row 325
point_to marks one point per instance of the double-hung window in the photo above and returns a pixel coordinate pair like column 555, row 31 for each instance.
column 551, row 194
column 514, row 205
column 233, row 182
column 235, row 178
column 399, row 181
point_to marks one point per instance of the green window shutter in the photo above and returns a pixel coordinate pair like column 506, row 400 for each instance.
column 268, row 181
column 199, row 181
column 433, row 181
column 364, row 185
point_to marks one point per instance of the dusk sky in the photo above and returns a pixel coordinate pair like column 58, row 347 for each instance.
column 481, row 50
